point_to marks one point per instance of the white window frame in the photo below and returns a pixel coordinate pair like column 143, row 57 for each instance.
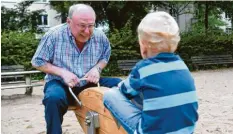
column 228, row 30
column 43, row 20
column 42, row 1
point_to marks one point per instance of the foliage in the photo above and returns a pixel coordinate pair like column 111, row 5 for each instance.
column 115, row 13
column 208, row 14
column 20, row 18
column 177, row 8
column 214, row 24
column 227, row 7
column 124, row 45
column 18, row 48
column 192, row 44
column 122, row 18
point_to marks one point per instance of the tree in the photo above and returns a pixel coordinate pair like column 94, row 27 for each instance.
column 20, row 18
column 177, row 8
column 211, row 10
column 227, row 7
column 114, row 13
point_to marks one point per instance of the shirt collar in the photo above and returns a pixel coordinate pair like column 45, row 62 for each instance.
column 163, row 55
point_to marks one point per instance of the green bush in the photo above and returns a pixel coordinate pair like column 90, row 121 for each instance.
column 124, row 44
column 191, row 44
column 200, row 44
column 18, row 48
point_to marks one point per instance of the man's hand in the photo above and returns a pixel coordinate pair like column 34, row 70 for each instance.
column 93, row 75
column 69, row 78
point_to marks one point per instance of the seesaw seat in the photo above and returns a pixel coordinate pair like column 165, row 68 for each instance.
column 91, row 99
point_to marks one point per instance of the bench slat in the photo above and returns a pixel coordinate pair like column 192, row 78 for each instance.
column 213, row 56
column 127, row 61
column 126, row 65
column 17, row 82
column 211, row 60
column 20, row 86
column 214, row 63
column 10, row 76
column 18, row 73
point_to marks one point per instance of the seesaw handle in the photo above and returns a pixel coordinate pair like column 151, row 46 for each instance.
column 72, row 93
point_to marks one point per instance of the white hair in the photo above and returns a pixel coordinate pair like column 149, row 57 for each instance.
column 79, row 8
column 159, row 28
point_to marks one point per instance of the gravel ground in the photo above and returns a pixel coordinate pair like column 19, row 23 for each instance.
column 25, row 114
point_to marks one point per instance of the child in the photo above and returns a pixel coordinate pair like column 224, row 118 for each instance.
column 161, row 80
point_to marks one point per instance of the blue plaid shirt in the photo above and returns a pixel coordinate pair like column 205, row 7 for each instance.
column 58, row 47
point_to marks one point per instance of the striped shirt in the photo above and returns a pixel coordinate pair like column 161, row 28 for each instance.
column 58, row 47
column 169, row 96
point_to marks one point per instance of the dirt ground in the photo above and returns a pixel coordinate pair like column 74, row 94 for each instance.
column 22, row 114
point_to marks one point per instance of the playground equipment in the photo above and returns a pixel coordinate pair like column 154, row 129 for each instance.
column 93, row 117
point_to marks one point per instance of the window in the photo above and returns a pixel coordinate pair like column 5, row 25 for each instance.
column 40, row 1
column 227, row 15
column 228, row 30
column 43, row 19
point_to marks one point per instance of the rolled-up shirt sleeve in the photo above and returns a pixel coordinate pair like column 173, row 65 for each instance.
column 106, row 49
column 44, row 52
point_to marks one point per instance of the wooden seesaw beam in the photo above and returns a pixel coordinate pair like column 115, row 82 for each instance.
column 92, row 105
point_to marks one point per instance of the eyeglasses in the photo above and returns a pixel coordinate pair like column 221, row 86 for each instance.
column 83, row 26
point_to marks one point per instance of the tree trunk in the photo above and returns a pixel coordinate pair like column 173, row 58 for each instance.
column 63, row 17
column 206, row 17
column 232, row 23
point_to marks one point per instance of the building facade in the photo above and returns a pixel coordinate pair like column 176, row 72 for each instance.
column 48, row 18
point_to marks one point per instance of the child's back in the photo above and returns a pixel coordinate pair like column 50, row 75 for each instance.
column 162, row 81
column 169, row 97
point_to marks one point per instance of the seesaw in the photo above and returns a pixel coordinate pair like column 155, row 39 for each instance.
column 93, row 117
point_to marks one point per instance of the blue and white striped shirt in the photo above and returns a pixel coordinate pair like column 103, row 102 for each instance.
column 169, row 96
column 58, row 47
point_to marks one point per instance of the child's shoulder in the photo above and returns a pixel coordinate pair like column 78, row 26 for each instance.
column 146, row 62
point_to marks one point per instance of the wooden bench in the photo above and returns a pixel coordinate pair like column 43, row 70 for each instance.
column 18, row 74
column 126, row 65
column 12, row 68
column 211, row 60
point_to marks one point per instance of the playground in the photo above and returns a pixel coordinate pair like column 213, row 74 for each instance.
column 24, row 114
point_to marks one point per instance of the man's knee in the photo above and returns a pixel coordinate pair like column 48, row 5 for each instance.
column 117, row 80
column 54, row 93
column 53, row 99
column 109, row 82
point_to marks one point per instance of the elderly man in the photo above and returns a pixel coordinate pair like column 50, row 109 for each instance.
column 66, row 54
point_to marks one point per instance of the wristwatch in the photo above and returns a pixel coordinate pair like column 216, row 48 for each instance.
column 98, row 68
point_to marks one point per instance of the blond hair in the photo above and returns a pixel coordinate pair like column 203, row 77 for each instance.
column 160, row 30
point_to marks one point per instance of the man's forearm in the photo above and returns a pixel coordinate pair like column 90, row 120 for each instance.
column 101, row 65
column 50, row 69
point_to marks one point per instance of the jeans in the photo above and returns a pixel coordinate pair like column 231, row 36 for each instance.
column 126, row 112
column 57, row 98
